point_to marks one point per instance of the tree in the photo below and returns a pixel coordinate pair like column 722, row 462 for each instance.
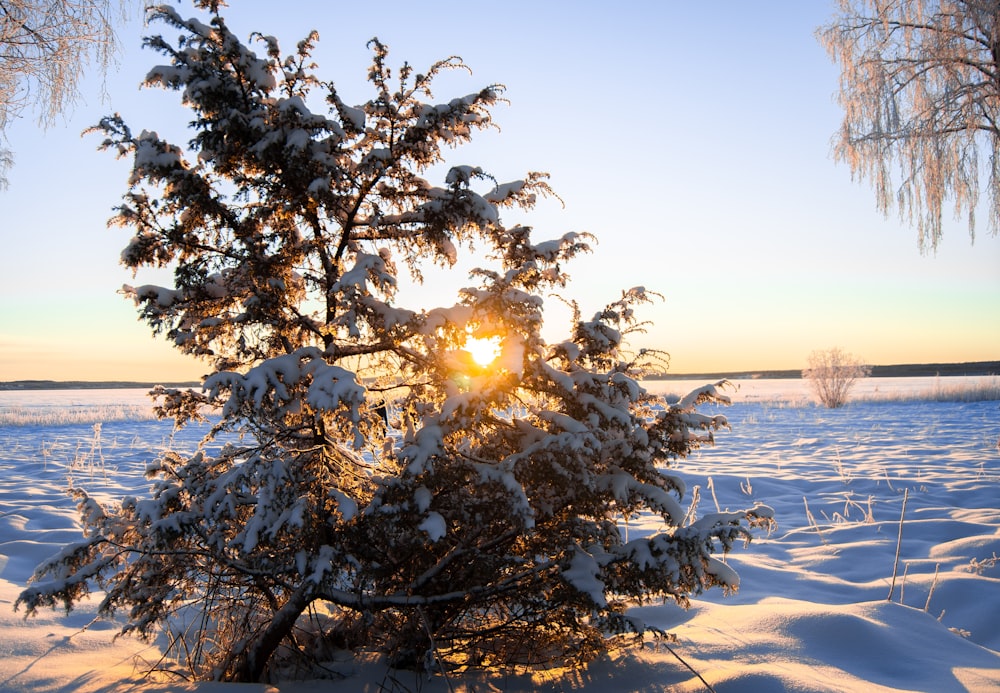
column 832, row 373
column 920, row 87
column 45, row 47
column 365, row 482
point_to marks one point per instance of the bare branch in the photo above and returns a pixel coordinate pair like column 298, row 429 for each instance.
column 920, row 88
column 45, row 49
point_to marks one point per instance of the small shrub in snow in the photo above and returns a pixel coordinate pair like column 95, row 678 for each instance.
column 483, row 532
column 979, row 567
column 832, row 373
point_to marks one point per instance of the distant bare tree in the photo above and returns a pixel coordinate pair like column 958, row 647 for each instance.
column 832, row 373
column 920, row 87
column 45, row 47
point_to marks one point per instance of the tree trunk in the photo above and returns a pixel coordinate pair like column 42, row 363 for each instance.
column 251, row 663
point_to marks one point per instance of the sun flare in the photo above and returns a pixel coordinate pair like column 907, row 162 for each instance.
column 484, row 351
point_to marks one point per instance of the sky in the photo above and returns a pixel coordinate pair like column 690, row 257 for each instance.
column 692, row 139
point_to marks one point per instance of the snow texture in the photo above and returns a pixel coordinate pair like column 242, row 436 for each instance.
column 810, row 615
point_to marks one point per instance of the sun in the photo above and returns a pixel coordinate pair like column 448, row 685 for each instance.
column 484, row 351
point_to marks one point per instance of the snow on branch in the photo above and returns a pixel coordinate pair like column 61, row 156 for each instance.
column 273, row 382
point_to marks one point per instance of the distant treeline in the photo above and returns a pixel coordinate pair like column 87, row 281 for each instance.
column 84, row 385
column 908, row 370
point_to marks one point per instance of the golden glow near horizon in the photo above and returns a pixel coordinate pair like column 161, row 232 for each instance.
column 484, row 350
column 763, row 247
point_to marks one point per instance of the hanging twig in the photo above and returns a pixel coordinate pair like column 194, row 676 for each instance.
column 434, row 649
column 689, row 667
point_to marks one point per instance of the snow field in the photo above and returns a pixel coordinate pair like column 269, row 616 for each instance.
column 811, row 614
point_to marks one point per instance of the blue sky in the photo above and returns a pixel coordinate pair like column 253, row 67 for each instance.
column 693, row 139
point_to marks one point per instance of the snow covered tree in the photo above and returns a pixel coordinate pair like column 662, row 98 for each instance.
column 366, row 483
column 920, row 87
column 832, row 373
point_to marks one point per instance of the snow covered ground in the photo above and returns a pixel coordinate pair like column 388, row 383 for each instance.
column 813, row 612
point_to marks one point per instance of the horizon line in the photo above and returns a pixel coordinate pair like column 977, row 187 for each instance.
column 915, row 370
